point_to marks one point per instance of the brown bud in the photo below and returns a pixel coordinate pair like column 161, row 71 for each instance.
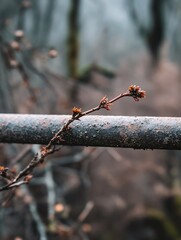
column 59, row 207
column 15, row 45
column 28, row 178
column 18, row 238
column 26, row 4
column 104, row 103
column 52, row 53
column 136, row 92
column 76, row 112
column 2, row 168
column 19, row 34
column 13, row 63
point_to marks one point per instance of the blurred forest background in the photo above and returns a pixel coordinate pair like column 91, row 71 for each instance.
column 57, row 54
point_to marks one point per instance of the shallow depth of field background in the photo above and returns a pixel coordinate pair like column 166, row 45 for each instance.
column 72, row 53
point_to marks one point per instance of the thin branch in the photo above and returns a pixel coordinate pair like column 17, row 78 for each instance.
column 22, row 154
column 36, row 217
column 88, row 208
column 50, row 190
column 25, row 175
column 75, row 227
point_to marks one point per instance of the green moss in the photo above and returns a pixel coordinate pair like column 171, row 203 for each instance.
column 177, row 205
column 164, row 223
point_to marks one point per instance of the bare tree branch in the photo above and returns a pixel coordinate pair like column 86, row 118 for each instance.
column 25, row 175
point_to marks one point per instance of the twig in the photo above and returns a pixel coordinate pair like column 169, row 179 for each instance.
column 88, row 208
column 50, row 190
column 76, row 158
column 39, row 223
column 75, row 228
column 22, row 154
column 8, row 50
column 25, row 176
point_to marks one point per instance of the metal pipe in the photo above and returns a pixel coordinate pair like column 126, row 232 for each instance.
column 107, row 131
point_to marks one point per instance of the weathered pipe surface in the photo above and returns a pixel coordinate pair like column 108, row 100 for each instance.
column 109, row 131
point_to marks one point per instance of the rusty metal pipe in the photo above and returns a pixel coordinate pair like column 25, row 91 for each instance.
column 107, row 131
